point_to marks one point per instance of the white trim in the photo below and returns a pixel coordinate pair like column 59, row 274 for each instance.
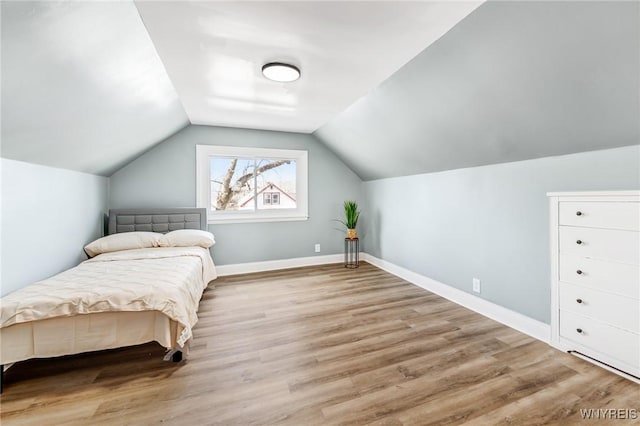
column 515, row 320
column 554, row 208
column 273, row 265
column 257, row 219
column 594, row 194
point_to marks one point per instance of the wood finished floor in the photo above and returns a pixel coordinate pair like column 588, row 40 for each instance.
column 321, row 345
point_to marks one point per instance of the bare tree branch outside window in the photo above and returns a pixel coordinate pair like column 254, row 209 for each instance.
column 230, row 190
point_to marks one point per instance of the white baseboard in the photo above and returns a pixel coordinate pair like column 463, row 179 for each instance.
column 515, row 320
column 273, row 265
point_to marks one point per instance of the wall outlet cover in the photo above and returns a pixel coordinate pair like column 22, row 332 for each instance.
column 476, row 285
column 317, row 248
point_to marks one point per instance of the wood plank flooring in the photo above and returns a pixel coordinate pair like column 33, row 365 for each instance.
column 322, row 345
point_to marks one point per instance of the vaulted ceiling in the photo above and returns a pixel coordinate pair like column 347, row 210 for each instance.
column 214, row 53
column 82, row 85
column 394, row 88
column 90, row 85
column 512, row 81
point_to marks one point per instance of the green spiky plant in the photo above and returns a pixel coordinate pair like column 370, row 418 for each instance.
column 351, row 214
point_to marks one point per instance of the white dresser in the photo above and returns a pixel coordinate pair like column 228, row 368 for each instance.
column 595, row 276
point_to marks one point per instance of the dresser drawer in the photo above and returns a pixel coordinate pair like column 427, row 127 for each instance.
column 604, row 244
column 615, row 342
column 609, row 308
column 593, row 214
column 619, row 278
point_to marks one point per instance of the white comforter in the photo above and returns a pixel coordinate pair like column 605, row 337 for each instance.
column 166, row 279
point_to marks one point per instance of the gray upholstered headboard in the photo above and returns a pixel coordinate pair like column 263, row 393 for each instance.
column 156, row 220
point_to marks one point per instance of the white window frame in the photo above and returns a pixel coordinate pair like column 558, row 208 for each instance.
column 203, row 184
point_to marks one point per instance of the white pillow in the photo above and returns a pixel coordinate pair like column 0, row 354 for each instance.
column 123, row 241
column 188, row 238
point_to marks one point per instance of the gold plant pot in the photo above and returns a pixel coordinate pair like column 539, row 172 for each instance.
column 352, row 233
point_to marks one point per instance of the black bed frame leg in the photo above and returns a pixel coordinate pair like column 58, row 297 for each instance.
column 1, row 378
column 177, row 356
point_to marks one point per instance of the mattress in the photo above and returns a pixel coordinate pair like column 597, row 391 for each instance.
column 85, row 333
column 115, row 299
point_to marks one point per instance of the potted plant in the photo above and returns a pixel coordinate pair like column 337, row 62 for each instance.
column 351, row 214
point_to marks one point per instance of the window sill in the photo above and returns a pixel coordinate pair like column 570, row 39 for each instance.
column 222, row 221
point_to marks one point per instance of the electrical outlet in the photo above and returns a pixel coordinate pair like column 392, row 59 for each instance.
column 317, row 248
column 476, row 285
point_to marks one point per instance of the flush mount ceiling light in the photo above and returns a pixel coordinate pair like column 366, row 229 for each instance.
column 283, row 73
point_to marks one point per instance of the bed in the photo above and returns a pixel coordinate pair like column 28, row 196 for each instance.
column 144, row 295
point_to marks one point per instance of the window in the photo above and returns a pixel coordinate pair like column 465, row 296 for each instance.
column 238, row 184
column 271, row 198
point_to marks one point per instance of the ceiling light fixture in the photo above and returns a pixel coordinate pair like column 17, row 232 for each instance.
column 278, row 71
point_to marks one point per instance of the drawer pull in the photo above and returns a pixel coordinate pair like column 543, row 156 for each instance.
column 579, row 300
column 579, row 272
column 579, row 330
column 579, row 242
column 578, row 213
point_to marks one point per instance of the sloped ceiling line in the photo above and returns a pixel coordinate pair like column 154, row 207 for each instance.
column 82, row 86
column 344, row 49
column 89, row 86
column 512, row 81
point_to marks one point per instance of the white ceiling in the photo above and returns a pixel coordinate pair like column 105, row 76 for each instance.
column 89, row 86
column 82, row 85
column 214, row 51
column 85, row 86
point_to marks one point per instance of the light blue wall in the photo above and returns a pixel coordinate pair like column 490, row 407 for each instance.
column 165, row 177
column 48, row 215
column 489, row 222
